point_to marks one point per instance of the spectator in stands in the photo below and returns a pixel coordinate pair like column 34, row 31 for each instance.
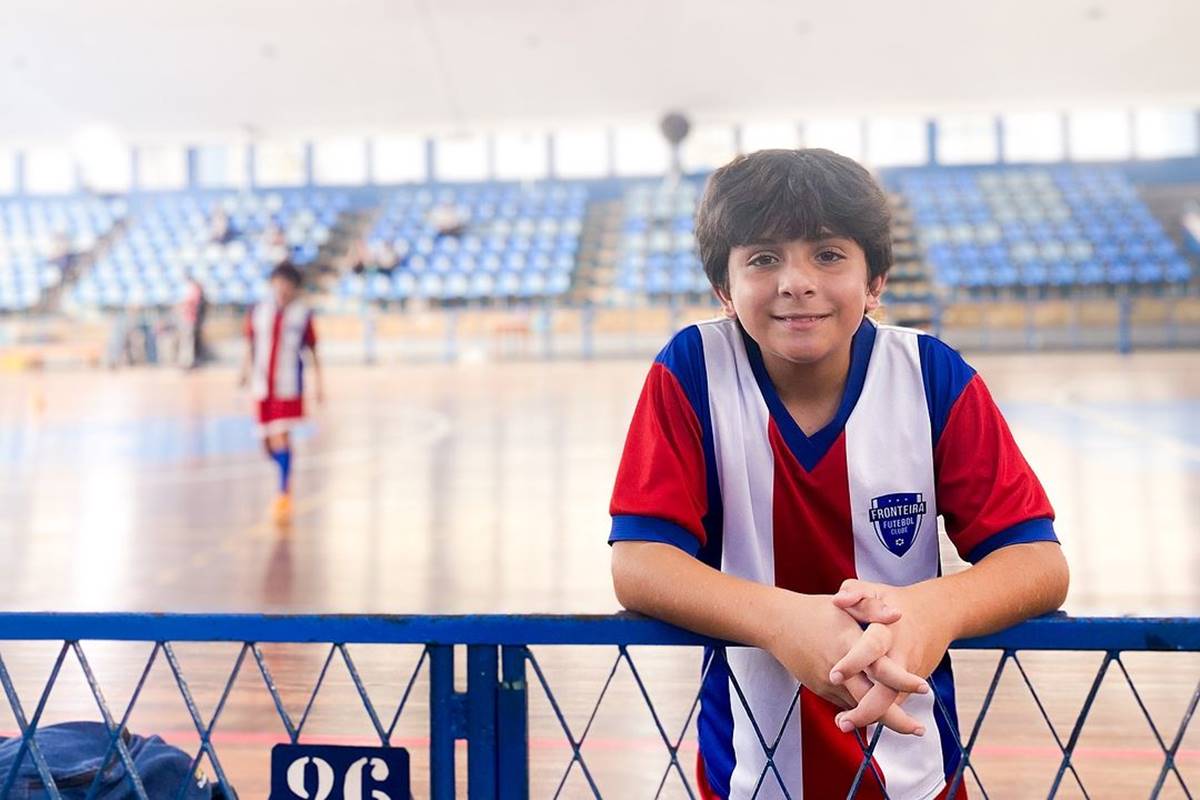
column 386, row 258
column 192, row 310
column 132, row 338
column 220, row 229
column 273, row 245
column 61, row 254
column 358, row 258
column 447, row 219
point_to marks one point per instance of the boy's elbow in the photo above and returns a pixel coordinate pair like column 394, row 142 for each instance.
column 1058, row 577
column 624, row 575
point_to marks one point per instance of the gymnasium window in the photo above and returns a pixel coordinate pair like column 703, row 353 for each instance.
column 49, row 170
column 897, row 141
column 279, row 163
column 768, row 135
column 8, row 172
column 105, row 162
column 220, row 166
column 844, row 136
column 521, row 156
column 1099, row 135
column 399, row 159
column 340, row 161
column 162, row 168
column 581, row 153
column 708, row 147
column 1033, row 136
column 967, row 139
column 460, row 158
column 640, row 150
column 1164, row 132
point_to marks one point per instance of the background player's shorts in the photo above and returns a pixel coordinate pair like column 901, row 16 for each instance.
column 279, row 416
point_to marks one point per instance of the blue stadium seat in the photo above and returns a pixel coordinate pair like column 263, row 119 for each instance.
column 1063, row 226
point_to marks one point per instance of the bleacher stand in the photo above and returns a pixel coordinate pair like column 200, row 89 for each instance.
column 517, row 243
column 994, row 231
column 169, row 237
column 658, row 245
column 999, row 230
column 42, row 239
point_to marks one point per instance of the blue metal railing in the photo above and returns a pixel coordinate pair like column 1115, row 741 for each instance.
column 492, row 714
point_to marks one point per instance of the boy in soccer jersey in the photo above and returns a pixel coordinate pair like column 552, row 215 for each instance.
column 780, row 487
column 278, row 330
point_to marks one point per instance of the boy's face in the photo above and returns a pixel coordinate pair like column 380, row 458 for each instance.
column 800, row 300
column 284, row 291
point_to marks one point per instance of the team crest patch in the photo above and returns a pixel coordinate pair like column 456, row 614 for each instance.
column 897, row 519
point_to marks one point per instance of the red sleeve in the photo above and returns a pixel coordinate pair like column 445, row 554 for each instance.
column 986, row 491
column 660, row 492
column 310, row 334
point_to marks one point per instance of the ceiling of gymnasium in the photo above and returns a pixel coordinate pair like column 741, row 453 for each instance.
column 153, row 69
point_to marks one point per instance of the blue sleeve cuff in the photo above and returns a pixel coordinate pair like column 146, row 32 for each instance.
column 634, row 528
column 1031, row 530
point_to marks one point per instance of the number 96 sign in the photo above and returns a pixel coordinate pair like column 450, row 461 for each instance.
column 325, row 772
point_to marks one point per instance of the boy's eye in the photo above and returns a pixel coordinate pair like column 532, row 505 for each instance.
column 829, row 256
column 762, row 260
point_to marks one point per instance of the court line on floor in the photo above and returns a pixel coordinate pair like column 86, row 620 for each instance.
column 1117, row 424
column 425, row 432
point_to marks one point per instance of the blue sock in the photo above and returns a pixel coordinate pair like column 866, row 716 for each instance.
column 283, row 458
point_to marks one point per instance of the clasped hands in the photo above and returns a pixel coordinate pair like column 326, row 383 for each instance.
column 865, row 649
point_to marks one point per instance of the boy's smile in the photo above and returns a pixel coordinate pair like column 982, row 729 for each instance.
column 801, row 300
column 800, row 321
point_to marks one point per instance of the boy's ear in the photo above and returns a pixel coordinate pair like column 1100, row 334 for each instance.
column 875, row 288
column 726, row 302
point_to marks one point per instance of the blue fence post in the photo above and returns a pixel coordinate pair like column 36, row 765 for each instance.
column 1172, row 322
column 512, row 706
column 546, row 321
column 481, row 720
column 1124, row 324
column 1031, row 336
column 1074, row 324
column 443, row 708
column 985, row 338
column 675, row 312
column 587, row 322
column 451, row 351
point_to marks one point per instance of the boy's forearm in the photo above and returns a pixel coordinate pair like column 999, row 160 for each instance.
column 1008, row 586
column 661, row 581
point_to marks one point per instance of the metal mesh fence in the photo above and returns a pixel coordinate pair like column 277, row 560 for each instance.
column 521, row 706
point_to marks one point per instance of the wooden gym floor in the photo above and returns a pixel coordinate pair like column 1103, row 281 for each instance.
column 483, row 488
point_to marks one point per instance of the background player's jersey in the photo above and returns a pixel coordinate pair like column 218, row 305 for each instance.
column 715, row 464
column 278, row 336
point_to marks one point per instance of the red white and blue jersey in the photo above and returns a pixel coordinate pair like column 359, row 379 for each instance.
column 715, row 465
column 278, row 337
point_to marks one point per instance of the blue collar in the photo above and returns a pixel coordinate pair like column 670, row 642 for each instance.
column 809, row 450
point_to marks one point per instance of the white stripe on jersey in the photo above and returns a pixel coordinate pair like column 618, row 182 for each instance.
column 889, row 449
column 287, row 358
column 746, row 469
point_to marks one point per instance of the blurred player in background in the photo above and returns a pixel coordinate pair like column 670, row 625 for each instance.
column 278, row 331
column 192, row 311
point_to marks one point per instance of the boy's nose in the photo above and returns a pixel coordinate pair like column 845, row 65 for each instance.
column 796, row 280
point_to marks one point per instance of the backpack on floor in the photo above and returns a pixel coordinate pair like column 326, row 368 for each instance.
column 75, row 754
